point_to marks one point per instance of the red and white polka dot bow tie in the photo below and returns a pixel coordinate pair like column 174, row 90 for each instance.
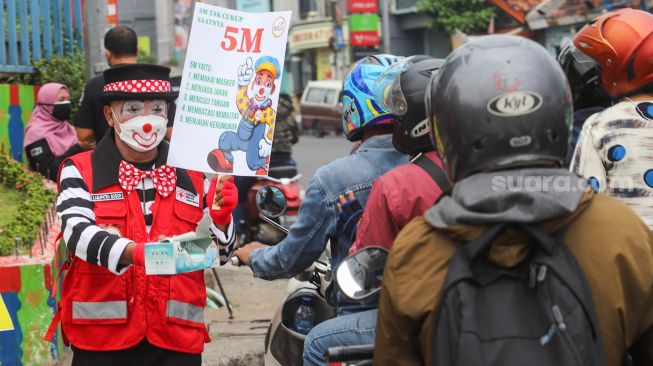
column 164, row 178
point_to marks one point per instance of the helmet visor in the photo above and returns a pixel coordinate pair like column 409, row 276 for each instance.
column 387, row 89
column 582, row 71
column 582, row 63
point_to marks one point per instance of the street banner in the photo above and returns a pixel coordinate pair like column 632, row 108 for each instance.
column 230, row 86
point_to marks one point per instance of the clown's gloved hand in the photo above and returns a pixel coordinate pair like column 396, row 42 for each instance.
column 222, row 199
column 264, row 147
column 245, row 72
column 349, row 217
column 138, row 254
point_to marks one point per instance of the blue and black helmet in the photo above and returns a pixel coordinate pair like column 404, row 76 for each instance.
column 360, row 110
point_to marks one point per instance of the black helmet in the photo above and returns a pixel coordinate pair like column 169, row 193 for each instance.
column 401, row 90
column 499, row 102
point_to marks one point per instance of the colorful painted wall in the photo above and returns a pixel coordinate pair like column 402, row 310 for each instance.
column 26, row 309
column 16, row 104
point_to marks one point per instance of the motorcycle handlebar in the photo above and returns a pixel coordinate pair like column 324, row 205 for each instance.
column 349, row 353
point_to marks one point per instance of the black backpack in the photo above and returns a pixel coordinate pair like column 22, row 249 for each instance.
column 539, row 312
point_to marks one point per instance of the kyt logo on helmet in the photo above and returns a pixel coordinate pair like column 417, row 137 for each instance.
column 515, row 103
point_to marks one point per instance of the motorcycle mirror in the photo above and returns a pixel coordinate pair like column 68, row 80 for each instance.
column 360, row 275
column 271, row 201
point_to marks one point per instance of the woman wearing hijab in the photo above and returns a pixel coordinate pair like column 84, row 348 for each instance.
column 49, row 138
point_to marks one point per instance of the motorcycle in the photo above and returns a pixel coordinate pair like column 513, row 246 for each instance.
column 359, row 277
column 284, row 345
column 257, row 229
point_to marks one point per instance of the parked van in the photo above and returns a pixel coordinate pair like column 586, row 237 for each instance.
column 320, row 107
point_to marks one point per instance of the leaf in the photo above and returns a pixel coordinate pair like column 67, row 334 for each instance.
column 469, row 16
column 69, row 70
column 31, row 211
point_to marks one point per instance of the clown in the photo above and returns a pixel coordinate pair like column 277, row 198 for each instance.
column 254, row 134
column 115, row 200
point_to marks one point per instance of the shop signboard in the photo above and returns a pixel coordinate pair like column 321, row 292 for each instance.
column 362, row 6
column 364, row 30
column 310, row 36
column 253, row 6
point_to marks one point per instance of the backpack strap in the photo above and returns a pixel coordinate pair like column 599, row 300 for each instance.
column 434, row 171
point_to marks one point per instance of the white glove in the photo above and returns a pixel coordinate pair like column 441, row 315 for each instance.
column 264, row 148
column 245, row 72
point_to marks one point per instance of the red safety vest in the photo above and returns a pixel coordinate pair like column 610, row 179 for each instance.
column 101, row 311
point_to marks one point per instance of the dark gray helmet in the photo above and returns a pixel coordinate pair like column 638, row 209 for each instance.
column 401, row 89
column 499, row 102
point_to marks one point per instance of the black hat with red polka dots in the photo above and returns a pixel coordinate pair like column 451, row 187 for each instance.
column 137, row 81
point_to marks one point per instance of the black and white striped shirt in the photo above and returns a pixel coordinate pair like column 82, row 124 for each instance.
column 97, row 246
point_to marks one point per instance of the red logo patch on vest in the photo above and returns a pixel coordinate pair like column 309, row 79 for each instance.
column 187, row 197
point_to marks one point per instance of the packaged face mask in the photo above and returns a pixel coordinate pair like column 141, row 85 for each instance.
column 189, row 252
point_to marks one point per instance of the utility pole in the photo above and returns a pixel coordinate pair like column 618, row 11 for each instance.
column 165, row 30
column 95, row 26
column 385, row 25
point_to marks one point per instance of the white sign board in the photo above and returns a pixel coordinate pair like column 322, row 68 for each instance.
column 229, row 91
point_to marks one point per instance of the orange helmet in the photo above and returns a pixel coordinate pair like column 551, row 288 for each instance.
column 620, row 43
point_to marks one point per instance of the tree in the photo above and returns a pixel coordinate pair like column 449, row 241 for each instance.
column 469, row 16
column 69, row 70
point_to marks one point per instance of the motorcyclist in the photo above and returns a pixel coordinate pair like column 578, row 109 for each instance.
column 614, row 150
column 363, row 119
column 396, row 197
column 588, row 96
column 489, row 145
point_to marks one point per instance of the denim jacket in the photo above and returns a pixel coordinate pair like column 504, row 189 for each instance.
column 318, row 214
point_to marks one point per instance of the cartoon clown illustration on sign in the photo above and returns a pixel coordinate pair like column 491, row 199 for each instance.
column 256, row 127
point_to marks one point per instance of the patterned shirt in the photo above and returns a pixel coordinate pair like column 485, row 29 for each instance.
column 615, row 154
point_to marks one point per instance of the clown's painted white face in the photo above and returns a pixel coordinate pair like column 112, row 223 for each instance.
column 263, row 87
column 140, row 124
